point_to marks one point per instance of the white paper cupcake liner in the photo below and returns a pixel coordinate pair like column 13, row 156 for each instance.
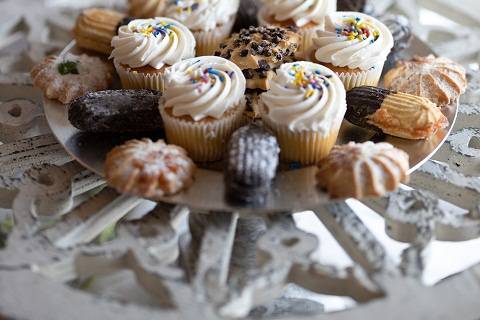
column 132, row 79
column 305, row 147
column 209, row 41
column 204, row 140
column 361, row 78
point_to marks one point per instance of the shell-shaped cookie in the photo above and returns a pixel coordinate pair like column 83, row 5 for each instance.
column 439, row 79
column 69, row 77
column 149, row 169
column 398, row 114
column 359, row 170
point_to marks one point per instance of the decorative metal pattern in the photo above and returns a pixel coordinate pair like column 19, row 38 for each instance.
column 67, row 239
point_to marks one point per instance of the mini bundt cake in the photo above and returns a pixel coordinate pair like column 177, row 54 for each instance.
column 360, row 170
column 149, row 169
column 439, row 79
column 69, row 77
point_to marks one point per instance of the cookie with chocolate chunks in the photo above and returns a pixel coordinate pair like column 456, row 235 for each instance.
column 258, row 51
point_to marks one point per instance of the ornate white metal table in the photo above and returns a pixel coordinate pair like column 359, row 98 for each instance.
column 70, row 248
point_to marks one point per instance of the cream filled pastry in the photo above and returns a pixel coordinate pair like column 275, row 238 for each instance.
column 355, row 46
column 304, row 108
column 211, row 21
column 307, row 15
column 203, row 105
column 145, row 46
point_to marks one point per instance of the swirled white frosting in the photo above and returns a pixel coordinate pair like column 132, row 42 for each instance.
column 305, row 96
column 203, row 87
column 202, row 14
column 301, row 12
column 342, row 45
column 153, row 42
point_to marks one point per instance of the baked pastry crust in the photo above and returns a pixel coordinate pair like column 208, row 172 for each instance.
column 149, row 169
column 258, row 51
column 439, row 79
column 95, row 28
column 359, row 170
column 88, row 74
column 398, row 114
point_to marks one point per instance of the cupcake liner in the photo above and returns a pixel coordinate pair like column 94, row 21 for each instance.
column 361, row 78
column 132, row 79
column 204, row 140
column 305, row 147
column 209, row 41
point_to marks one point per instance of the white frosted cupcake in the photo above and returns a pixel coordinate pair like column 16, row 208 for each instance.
column 145, row 47
column 203, row 105
column 304, row 108
column 211, row 21
column 307, row 15
column 355, row 46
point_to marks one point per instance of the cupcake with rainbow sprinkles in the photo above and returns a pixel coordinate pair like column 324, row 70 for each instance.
column 145, row 47
column 211, row 21
column 203, row 105
column 304, row 109
column 355, row 46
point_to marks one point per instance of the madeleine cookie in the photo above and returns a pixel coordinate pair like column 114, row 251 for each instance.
column 359, row 170
column 95, row 28
column 439, row 79
column 398, row 114
column 149, row 169
column 69, row 77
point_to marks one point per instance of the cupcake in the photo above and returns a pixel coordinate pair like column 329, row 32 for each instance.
column 203, row 105
column 258, row 51
column 95, row 28
column 307, row 15
column 355, row 46
column 211, row 21
column 145, row 47
column 304, row 108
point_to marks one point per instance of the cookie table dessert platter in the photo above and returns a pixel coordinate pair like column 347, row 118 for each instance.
column 294, row 188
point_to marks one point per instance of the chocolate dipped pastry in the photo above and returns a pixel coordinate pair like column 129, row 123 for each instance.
column 116, row 111
column 398, row 114
column 252, row 160
column 258, row 51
